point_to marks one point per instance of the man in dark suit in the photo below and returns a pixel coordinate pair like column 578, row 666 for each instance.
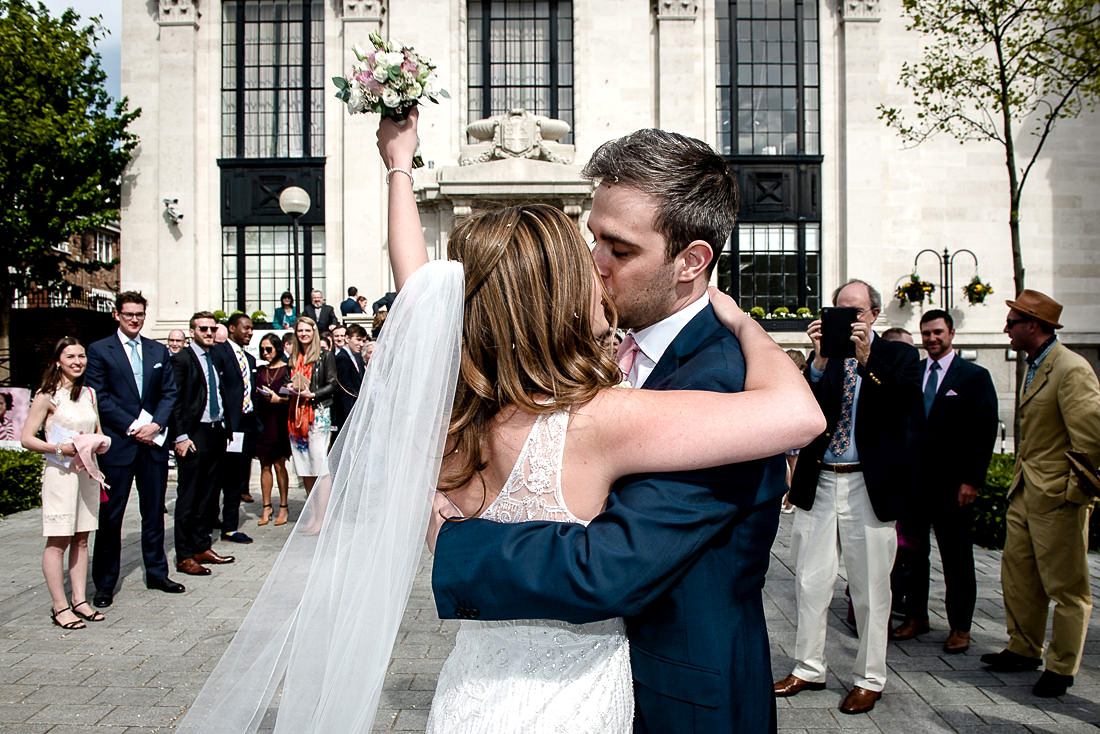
column 349, row 375
column 132, row 379
column 199, row 436
column 850, row 483
column 320, row 312
column 955, row 444
column 239, row 369
column 682, row 556
column 351, row 304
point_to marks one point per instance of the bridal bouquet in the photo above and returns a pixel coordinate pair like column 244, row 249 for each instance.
column 390, row 79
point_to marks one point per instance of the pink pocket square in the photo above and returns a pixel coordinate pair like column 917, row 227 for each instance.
column 950, row 393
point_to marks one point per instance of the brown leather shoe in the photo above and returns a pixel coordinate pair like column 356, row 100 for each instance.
column 191, row 567
column 792, row 684
column 957, row 642
column 209, row 556
column 859, row 701
column 909, row 629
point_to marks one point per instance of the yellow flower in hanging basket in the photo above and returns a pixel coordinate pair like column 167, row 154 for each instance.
column 976, row 291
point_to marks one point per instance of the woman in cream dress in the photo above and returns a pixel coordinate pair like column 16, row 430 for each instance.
column 70, row 499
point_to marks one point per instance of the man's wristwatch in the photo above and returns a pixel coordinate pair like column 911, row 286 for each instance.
column 58, row 451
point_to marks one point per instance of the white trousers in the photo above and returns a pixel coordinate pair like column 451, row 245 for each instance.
column 842, row 521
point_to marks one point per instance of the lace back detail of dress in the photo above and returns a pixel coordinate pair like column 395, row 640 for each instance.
column 533, row 490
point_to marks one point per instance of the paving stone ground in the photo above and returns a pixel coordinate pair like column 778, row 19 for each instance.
column 140, row 670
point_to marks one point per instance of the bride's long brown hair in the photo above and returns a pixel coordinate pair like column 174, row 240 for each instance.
column 527, row 325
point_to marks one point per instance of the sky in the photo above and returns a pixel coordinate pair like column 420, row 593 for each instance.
column 110, row 48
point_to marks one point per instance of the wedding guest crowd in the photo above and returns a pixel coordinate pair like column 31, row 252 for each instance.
column 905, row 453
column 128, row 401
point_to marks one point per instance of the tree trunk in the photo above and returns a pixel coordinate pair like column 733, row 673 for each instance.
column 5, row 340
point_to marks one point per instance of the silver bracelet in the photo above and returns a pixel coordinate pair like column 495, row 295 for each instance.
column 58, row 450
column 399, row 170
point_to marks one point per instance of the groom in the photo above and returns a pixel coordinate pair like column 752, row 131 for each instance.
column 681, row 555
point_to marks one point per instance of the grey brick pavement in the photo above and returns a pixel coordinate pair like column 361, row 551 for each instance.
column 139, row 670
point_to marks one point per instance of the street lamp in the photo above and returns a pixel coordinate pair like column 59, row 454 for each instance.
column 294, row 201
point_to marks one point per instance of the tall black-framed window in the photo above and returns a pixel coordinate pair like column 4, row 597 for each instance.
column 272, row 137
column 769, row 128
column 272, row 78
column 258, row 265
column 520, row 54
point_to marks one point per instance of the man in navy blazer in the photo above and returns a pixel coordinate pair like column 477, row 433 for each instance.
column 955, row 443
column 132, row 378
column 682, row 556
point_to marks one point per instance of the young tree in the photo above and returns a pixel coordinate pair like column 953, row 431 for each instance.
column 63, row 148
column 990, row 65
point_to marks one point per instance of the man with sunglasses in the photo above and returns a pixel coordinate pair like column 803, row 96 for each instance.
column 199, row 437
column 1047, row 524
column 135, row 391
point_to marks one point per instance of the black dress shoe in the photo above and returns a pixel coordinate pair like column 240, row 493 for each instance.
column 1007, row 661
column 166, row 585
column 103, row 599
column 236, row 537
column 1052, row 685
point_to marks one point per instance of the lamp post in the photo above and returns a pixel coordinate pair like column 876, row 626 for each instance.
column 947, row 272
column 294, row 201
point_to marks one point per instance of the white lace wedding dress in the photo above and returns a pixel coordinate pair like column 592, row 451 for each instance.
column 535, row 676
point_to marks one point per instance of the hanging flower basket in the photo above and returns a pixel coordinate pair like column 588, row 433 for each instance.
column 914, row 290
column 976, row 291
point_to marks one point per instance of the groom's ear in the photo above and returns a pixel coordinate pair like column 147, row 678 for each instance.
column 693, row 261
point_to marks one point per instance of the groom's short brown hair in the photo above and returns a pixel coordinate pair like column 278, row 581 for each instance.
column 694, row 185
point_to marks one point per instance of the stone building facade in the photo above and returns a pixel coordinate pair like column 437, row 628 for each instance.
column 237, row 105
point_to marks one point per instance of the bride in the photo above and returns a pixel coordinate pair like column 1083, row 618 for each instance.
column 507, row 332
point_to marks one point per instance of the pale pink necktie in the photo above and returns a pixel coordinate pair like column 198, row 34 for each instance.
column 628, row 352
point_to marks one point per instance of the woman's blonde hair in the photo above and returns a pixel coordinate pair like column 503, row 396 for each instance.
column 527, row 324
column 313, row 351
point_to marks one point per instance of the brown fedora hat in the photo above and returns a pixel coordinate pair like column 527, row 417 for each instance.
column 1038, row 306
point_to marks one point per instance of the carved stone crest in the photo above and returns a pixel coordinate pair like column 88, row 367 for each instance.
column 676, row 9
column 860, row 10
column 177, row 11
column 517, row 134
column 364, row 9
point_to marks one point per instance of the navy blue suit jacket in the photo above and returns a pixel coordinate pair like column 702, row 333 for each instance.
column 681, row 555
column 233, row 387
column 109, row 373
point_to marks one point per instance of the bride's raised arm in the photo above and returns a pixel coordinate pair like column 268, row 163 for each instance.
column 397, row 144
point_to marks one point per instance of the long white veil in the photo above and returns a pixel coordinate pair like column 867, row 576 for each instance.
column 325, row 621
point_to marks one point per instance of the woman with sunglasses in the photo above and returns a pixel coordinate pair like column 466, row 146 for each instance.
column 70, row 499
column 273, row 441
column 286, row 314
column 313, row 384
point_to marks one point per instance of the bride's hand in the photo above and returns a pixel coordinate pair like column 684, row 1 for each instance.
column 727, row 311
column 397, row 142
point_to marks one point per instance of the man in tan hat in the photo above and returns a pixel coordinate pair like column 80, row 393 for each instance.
column 1048, row 514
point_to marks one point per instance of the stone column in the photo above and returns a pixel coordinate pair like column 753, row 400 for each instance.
column 176, row 296
column 860, row 139
column 680, row 68
column 354, row 229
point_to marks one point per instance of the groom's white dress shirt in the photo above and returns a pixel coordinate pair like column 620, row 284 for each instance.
column 654, row 339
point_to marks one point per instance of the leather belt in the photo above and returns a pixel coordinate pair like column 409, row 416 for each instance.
column 844, row 468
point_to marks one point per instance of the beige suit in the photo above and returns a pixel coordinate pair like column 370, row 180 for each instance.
column 1047, row 522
